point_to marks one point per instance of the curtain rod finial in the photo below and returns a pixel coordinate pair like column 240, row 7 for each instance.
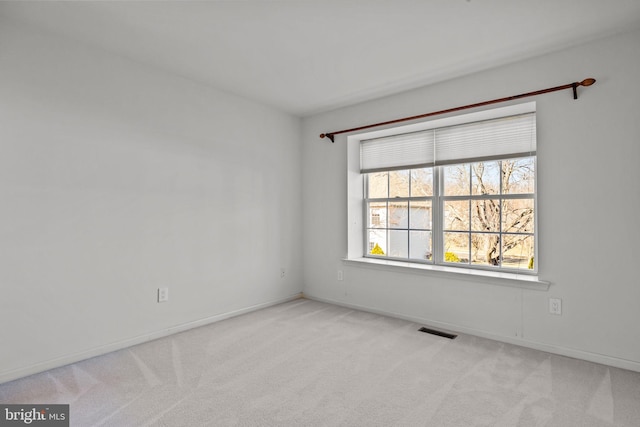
column 587, row 82
column 328, row 135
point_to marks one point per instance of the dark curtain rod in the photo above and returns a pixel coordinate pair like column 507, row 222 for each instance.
column 574, row 86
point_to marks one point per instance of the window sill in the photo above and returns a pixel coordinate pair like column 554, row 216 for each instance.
column 525, row 281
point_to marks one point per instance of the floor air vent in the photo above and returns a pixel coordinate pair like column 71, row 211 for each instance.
column 438, row 333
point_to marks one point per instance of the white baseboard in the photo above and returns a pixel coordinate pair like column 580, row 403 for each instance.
column 119, row 345
column 562, row 351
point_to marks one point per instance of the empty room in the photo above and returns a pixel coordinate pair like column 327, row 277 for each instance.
column 320, row 213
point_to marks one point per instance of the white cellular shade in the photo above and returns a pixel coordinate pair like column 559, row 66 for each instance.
column 489, row 139
column 497, row 138
column 397, row 151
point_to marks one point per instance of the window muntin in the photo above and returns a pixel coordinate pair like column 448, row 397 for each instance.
column 490, row 225
column 483, row 214
column 399, row 206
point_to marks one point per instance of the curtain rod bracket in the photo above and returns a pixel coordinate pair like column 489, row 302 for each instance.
column 574, row 86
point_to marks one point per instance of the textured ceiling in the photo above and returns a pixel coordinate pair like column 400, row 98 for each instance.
column 309, row 56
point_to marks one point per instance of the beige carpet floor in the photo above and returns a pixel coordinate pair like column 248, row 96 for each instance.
column 306, row 363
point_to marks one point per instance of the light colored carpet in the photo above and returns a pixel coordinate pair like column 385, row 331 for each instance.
column 306, row 363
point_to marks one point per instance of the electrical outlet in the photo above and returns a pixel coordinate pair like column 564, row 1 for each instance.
column 282, row 272
column 555, row 306
column 163, row 294
column 340, row 275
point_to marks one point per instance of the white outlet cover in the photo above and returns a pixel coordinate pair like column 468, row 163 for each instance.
column 555, row 306
column 163, row 294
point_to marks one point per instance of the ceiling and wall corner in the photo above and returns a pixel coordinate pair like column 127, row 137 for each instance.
column 306, row 57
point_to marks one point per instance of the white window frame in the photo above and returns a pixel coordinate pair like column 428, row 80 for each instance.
column 357, row 242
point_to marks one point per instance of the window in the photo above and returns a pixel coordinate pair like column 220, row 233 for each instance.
column 399, row 206
column 461, row 195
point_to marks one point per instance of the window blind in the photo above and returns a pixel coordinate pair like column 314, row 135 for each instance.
column 511, row 136
column 397, row 151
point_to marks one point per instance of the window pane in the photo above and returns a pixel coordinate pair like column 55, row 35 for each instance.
column 456, row 180
column 518, row 252
column 485, row 249
column 399, row 183
column 485, row 215
column 420, row 245
column 518, row 176
column 422, row 182
column 377, row 244
column 517, row 216
column 398, row 244
column 485, row 178
column 398, row 214
column 420, row 215
column 456, row 247
column 378, row 185
column 456, row 215
column 377, row 214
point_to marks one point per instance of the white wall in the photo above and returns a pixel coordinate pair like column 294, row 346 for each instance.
column 589, row 200
column 117, row 179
